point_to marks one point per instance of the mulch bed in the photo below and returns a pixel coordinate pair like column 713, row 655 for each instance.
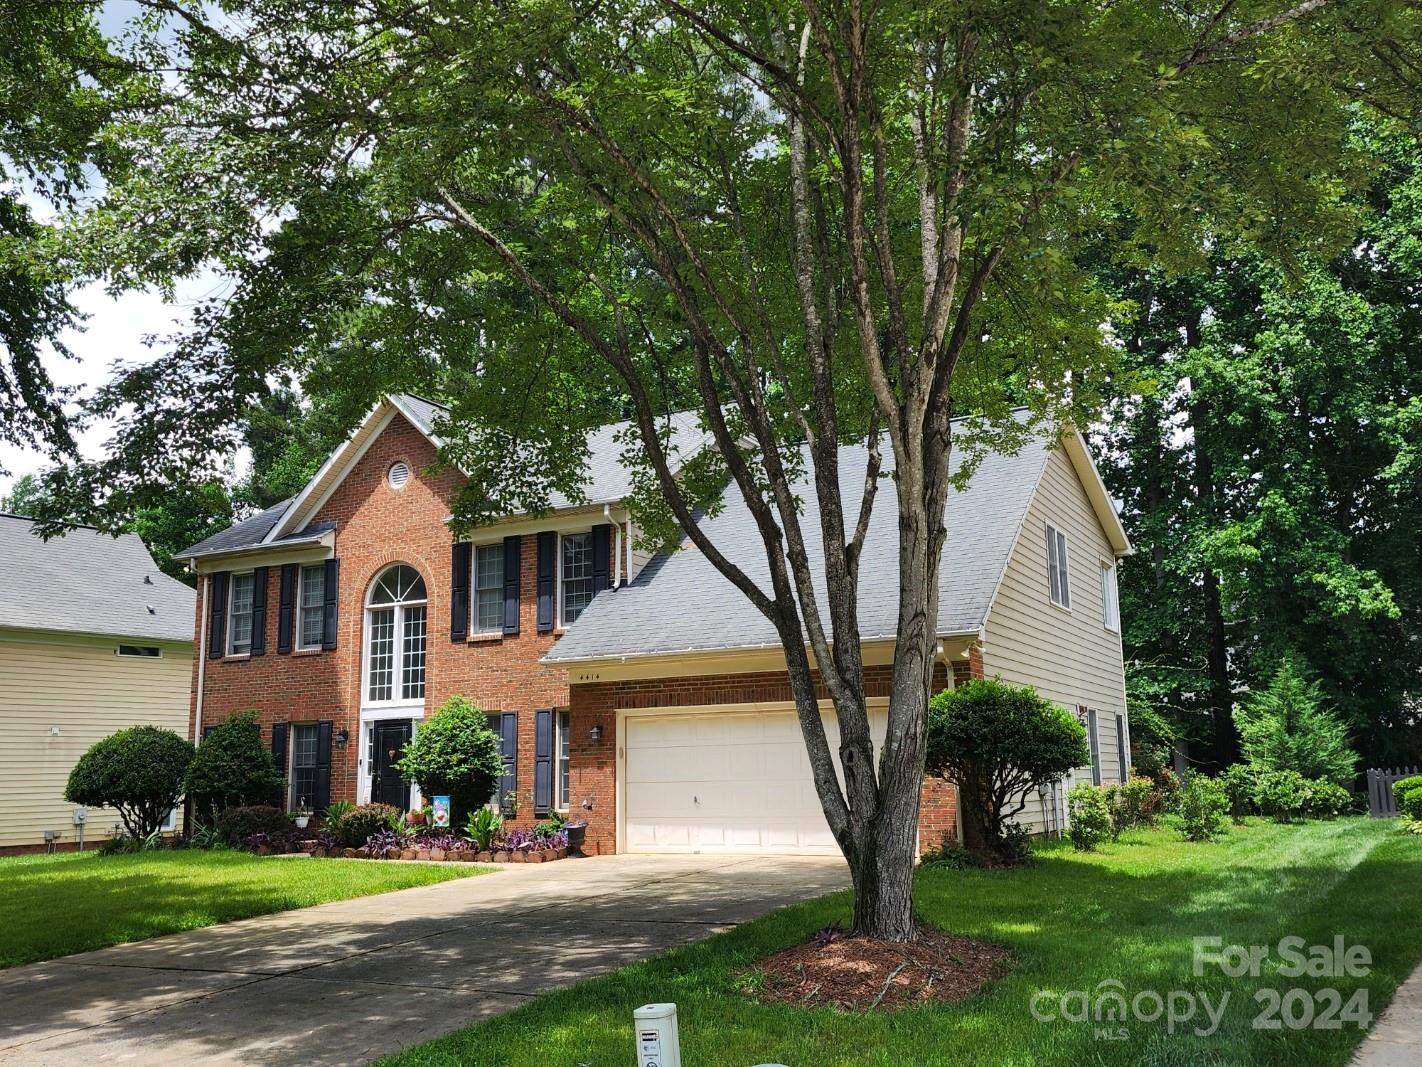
column 860, row 974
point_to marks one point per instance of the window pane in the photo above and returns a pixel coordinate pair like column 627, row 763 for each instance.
column 313, row 599
column 412, row 671
column 489, row 588
column 563, row 750
column 577, row 575
column 382, row 654
column 398, row 585
column 303, row 765
column 241, row 612
column 1062, row 566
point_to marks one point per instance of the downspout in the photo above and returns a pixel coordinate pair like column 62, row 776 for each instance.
column 204, row 583
column 957, row 797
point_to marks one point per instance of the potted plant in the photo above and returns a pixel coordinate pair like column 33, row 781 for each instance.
column 577, row 832
column 302, row 815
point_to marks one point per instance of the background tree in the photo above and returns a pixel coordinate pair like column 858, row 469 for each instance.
column 138, row 772
column 998, row 743
column 815, row 224
column 1286, row 727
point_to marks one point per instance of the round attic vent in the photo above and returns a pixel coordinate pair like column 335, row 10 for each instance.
column 399, row 475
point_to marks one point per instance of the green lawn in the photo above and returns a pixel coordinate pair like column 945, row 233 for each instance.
column 1071, row 921
column 54, row 905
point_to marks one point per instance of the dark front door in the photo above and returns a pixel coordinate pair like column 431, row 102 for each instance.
column 387, row 787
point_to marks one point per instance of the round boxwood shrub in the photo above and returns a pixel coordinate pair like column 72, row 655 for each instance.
column 232, row 768
column 998, row 743
column 1282, row 795
column 352, row 828
column 455, row 754
column 236, row 824
column 138, row 772
column 1326, row 800
column 1089, row 817
column 1408, row 794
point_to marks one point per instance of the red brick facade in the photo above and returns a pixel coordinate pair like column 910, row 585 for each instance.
column 377, row 525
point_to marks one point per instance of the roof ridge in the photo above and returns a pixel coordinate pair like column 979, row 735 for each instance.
column 75, row 526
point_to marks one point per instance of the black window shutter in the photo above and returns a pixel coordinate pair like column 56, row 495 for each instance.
column 206, row 731
column 513, row 564
column 542, row 761
column 259, row 611
column 279, row 730
column 217, row 614
column 1121, row 753
column 601, row 554
column 286, row 606
column 505, row 724
column 322, row 800
column 333, row 573
column 460, row 555
column 547, row 548
column 1095, row 743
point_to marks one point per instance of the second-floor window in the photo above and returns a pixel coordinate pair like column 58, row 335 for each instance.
column 1110, row 605
column 576, row 576
column 395, row 637
column 1058, row 580
column 239, row 615
column 312, row 606
column 488, row 589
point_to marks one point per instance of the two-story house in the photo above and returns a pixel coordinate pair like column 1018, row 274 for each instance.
column 644, row 694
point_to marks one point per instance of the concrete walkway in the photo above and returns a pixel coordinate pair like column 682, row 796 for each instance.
column 1395, row 1038
column 347, row 982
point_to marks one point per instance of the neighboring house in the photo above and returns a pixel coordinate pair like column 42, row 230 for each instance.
column 644, row 694
column 93, row 638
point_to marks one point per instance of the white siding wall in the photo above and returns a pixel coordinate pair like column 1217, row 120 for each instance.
column 88, row 692
column 1068, row 656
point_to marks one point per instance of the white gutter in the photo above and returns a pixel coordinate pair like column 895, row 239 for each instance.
column 624, row 657
column 205, row 583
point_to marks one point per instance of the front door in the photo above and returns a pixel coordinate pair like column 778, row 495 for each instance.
column 386, row 786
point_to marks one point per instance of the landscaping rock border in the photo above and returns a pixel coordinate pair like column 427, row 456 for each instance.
column 432, row 855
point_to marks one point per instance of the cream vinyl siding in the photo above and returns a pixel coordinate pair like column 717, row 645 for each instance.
column 1068, row 656
column 87, row 691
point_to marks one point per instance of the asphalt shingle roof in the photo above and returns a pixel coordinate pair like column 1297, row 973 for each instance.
column 681, row 603
column 244, row 534
column 89, row 583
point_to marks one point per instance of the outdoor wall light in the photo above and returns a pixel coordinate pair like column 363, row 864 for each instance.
column 342, row 736
column 596, row 732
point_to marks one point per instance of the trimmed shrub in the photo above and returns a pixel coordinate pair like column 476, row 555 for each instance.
column 1089, row 817
column 1282, row 795
column 1408, row 794
column 355, row 826
column 1201, row 808
column 1138, row 803
column 138, row 772
column 238, row 824
column 949, row 856
column 1241, row 783
column 1287, row 727
column 455, row 754
column 1326, row 800
column 998, row 743
column 232, row 768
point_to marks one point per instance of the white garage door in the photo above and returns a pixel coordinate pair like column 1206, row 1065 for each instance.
column 723, row 782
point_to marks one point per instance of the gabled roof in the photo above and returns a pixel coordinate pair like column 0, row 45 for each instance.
column 680, row 603
column 87, row 582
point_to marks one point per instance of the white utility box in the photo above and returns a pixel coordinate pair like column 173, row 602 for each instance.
column 657, row 1042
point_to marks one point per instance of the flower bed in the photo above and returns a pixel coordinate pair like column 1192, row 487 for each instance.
column 514, row 846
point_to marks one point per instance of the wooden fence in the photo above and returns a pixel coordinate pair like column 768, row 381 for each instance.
column 1380, row 799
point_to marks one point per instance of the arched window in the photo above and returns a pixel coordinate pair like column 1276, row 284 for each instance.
column 395, row 637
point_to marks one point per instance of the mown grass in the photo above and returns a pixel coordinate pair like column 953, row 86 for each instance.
column 55, row 905
column 1129, row 913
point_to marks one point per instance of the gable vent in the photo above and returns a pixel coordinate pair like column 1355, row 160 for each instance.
column 399, row 475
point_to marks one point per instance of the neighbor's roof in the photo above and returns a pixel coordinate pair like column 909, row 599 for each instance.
column 681, row 603
column 87, row 582
column 606, row 479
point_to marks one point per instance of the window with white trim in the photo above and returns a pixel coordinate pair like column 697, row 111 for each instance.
column 239, row 614
column 561, row 751
column 1110, row 605
column 1058, row 580
column 575, row 576
column 311, row 607
column 395, row 621
column 304, row 743
column 489, row 588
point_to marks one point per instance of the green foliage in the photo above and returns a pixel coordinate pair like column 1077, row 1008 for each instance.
column 555, row 822
column 1089, row 818
column 483, row 826
column 1327, row 800
column 1138, row 803
column 1202, row 806
column 1408, row 794
column 949, row 856
column 1286, row 727
column 998, row 743
column 138, row 771
column 350, row 828
column 232, row 767
column 1282, row 795
column 1241, row 783
column 454, row 753
column 1152, row 738
column 236, row 824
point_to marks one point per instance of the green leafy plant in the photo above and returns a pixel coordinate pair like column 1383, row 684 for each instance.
column 1138, row 803
column 236, row 824
column 1408, row 794
column 483, row 826
column 455, row 754
column 1201, row 811
column 1152, row 738
column 138, row 771
column 1089, row 817
column 1327, row 800
column 998, row 743
column 1282, row 795
column 355, row 825
column 552, row 825
column 1241, row 783
column 336, row 812
column 949, row 856
column 1287, row 727
column 232, row 767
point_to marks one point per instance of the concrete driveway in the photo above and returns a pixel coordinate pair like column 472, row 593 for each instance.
column 351, row 981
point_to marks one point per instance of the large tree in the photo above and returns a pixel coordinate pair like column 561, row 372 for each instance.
column 813, row 222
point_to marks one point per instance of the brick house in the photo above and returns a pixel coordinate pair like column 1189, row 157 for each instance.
column 641, row 693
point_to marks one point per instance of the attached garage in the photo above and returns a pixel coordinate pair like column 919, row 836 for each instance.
column 722, row 780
